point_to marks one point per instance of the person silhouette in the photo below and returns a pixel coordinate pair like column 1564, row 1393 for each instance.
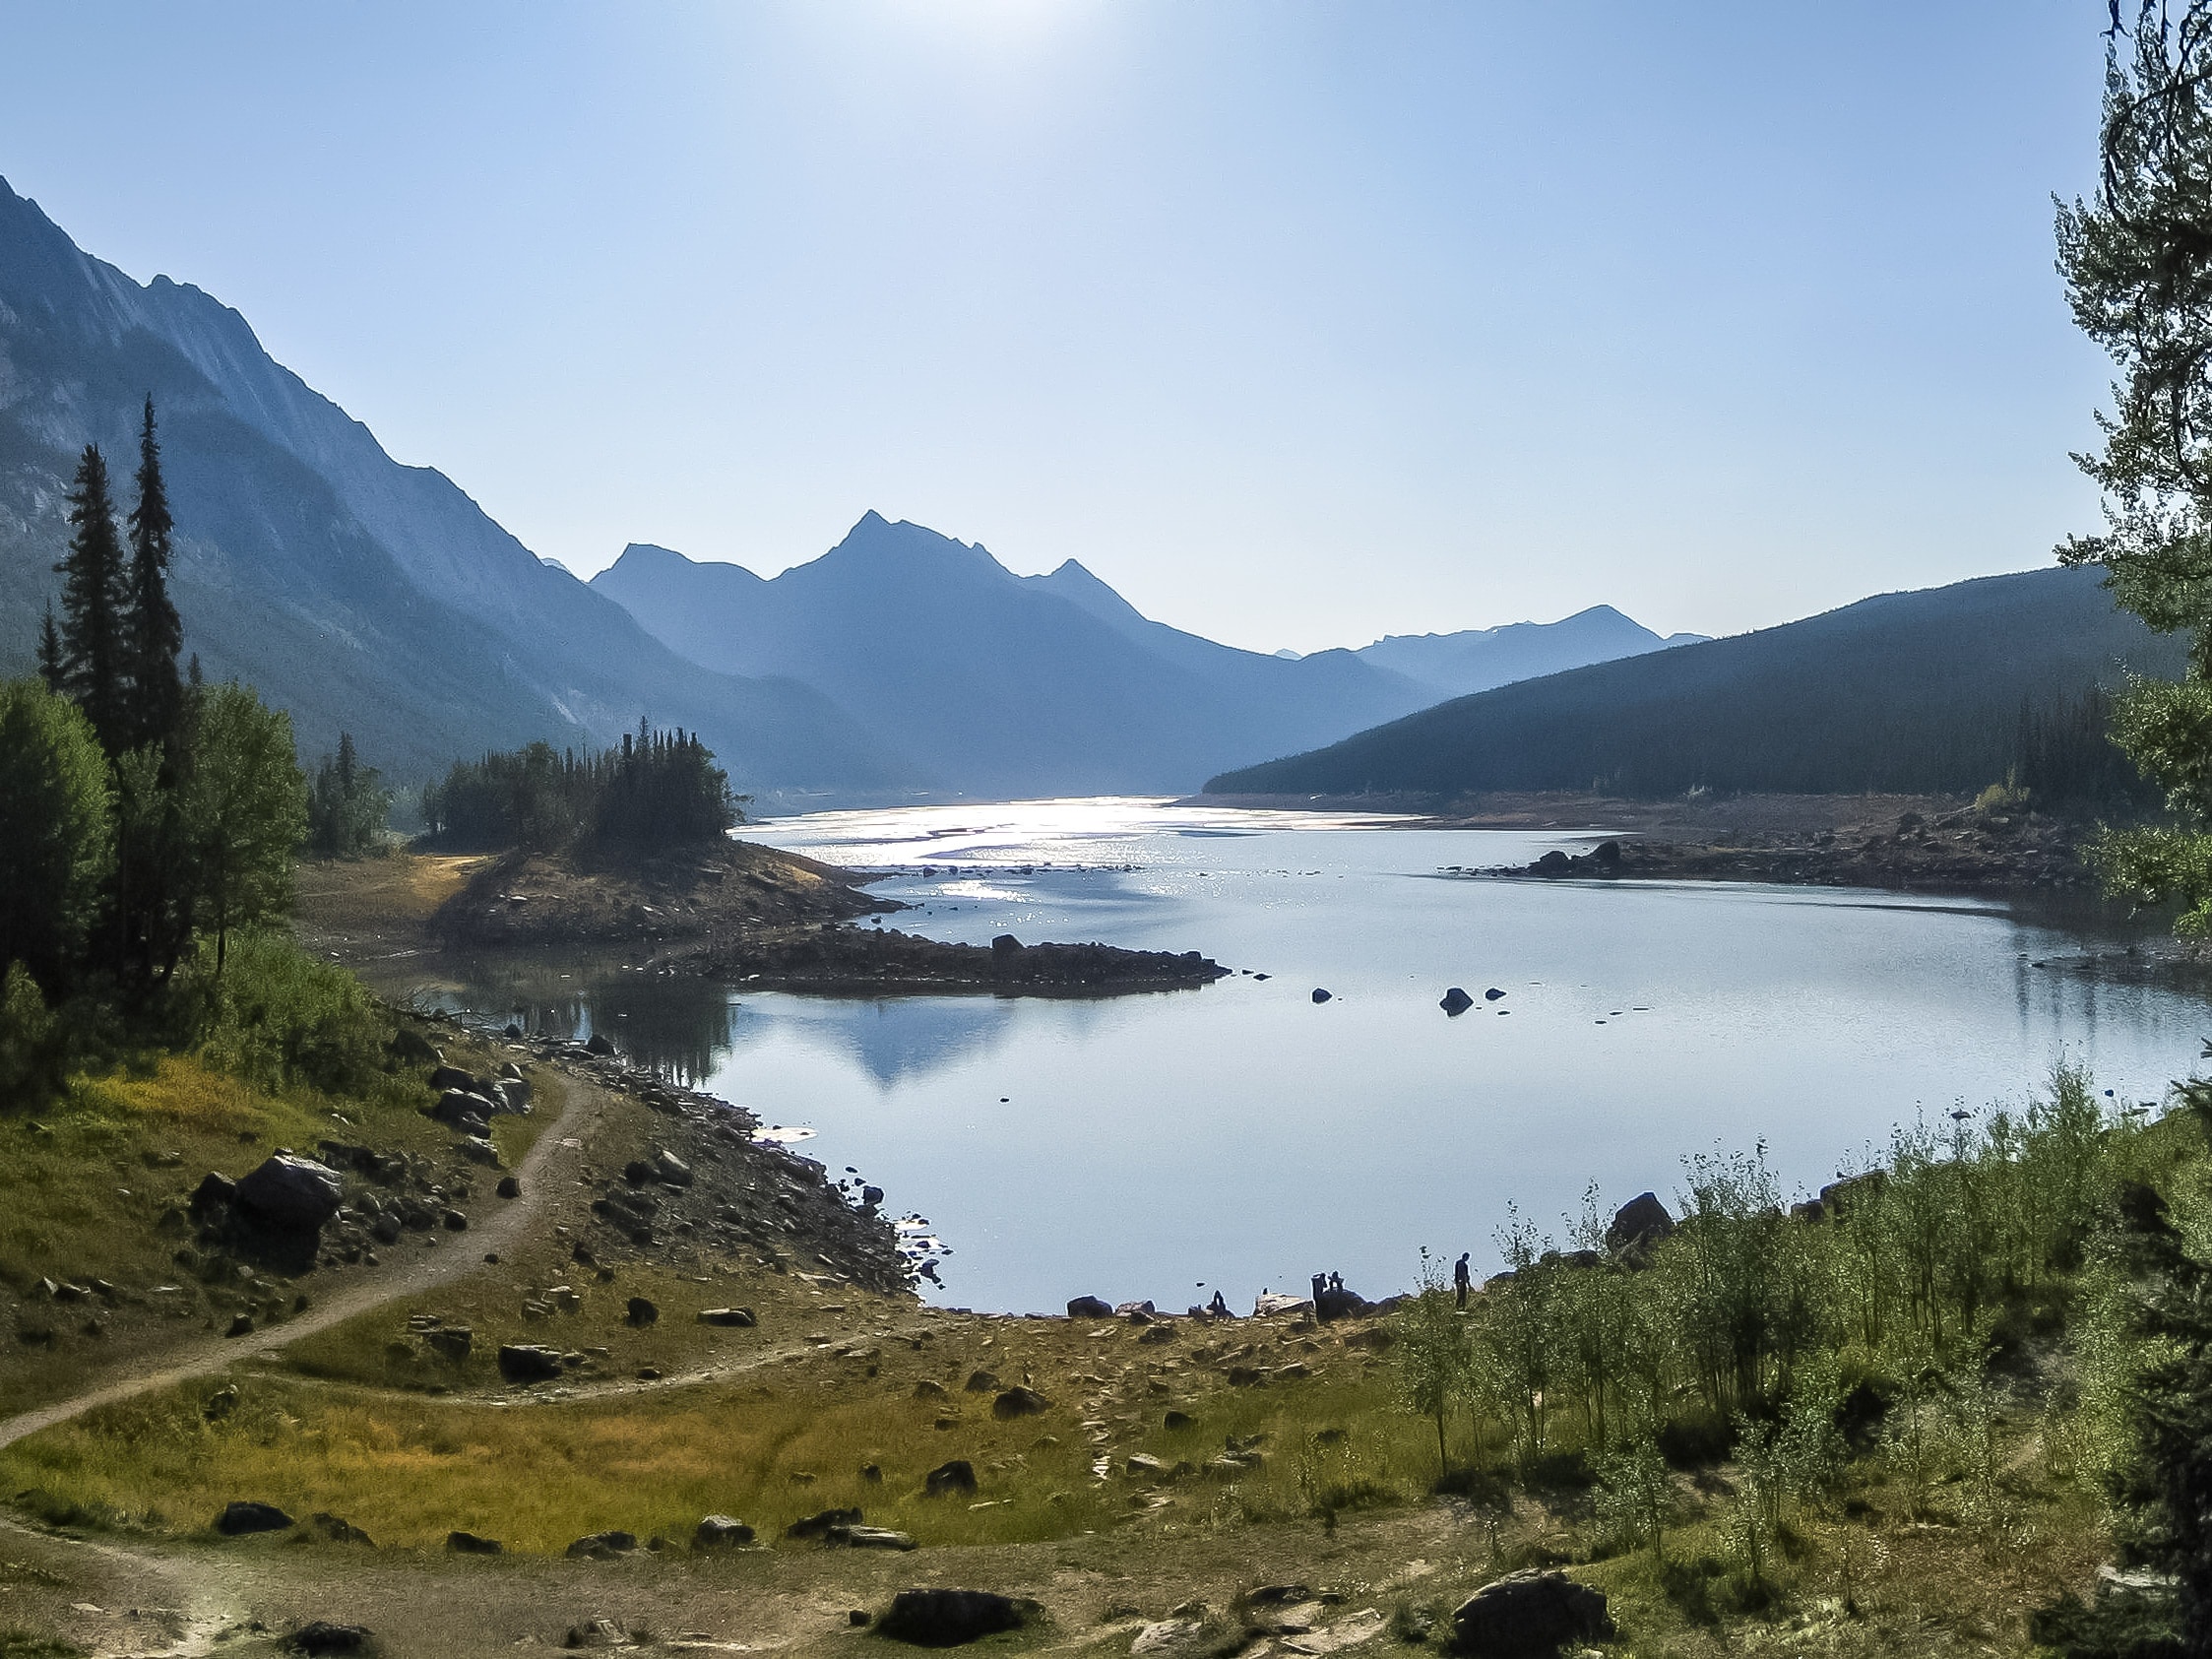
column 1320, row 1290
column 1460, row 1279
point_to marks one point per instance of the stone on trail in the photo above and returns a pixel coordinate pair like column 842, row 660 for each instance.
column 321, row 1636
column 510, row 1186
column 239, row 1519
column 528, row 1362
column 333, row 1530
column 1165, row 1634
column 1530, row 1613
column 818, row 1525
column 721, row 1532
column 869, row 1538
column 1090, row 1307
column 1019, row 1402
column 468, row 1543
column 959, row 1475
column 242, row 1324
column 945, row 1618
column 291, row 1191
column 1456, row 1001
column 603, row 1546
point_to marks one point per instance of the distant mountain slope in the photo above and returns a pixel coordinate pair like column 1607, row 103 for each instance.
column 1480, row 658
column 995, row 683
column 1916, row 692
column 358, row 593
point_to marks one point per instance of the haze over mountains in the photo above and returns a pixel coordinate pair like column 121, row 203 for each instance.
column 997, row 683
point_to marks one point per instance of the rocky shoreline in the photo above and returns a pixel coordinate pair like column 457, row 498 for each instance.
column 1966, row 850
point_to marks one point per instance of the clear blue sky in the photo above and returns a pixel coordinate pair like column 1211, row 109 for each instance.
column 1298, row 323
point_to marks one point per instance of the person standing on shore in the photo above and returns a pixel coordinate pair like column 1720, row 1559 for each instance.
column 1460, row 1279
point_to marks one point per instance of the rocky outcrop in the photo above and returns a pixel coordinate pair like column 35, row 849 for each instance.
column 291, row 1192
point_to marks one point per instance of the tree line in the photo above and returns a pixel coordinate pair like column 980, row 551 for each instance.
column 660, row 790
column 143, row 809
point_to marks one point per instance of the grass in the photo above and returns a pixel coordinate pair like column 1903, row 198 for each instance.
column 782, row 1439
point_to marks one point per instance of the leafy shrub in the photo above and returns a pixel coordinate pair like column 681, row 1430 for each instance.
column 32, row 1048
column 275, row 1016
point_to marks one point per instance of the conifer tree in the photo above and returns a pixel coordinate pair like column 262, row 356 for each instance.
column 49, row 652
column 154, row 632
column 93, row 655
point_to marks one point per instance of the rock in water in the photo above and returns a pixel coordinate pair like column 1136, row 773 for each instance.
column 291, row 1191
column 1456, row 1001
column 1529, row 1613
column 238, row 1519
column 1639, row 1223
column 1320, row 995
column 948, row 1618
column 1493, row 994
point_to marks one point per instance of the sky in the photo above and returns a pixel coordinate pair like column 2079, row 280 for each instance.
column 1298, row 323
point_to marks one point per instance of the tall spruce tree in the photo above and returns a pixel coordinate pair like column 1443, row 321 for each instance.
column 49, row 652
column 153, row 633
column 95, row 654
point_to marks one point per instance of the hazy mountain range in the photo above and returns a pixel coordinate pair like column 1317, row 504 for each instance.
column 377, row 598
column 1909, row 692
column 1005, row 684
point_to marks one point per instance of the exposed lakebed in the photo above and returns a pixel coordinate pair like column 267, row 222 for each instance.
column 1241, row 1135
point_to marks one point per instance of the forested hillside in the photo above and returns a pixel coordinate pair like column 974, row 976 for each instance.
column 1916, row 692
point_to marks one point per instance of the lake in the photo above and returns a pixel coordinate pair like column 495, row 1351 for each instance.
column 1243, row 1136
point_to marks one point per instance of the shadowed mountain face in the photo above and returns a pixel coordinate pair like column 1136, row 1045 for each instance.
column 1018, row 685
column 354, row 592
column 1909, row 692
column 1481, row 659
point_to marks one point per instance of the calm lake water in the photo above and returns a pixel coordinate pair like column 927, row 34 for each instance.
column 1242, row 1137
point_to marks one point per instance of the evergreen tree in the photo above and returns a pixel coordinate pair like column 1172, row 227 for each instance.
column 347, row 806
column 94, row 656
column 49, row 652
column 154, row 635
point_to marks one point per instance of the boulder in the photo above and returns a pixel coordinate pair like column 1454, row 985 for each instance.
column 1090, row 1307
column 1320, row 995
column 468, row 1543
column 1178, row 1421
column 238, row 1519
column 410, row 1047
column 642, row 1311
column 957, row 1476
column 214, row 1191
column 1493, row 994
column 450, row 1342
column 510, row 1186
column 334, row 1530
column 818, row 1525
column 981, row 1383
column 1553, row 863
column 1529, row 1613
column 321, row 1636
column 1638, row 1225
column 455, row 1221
column 1268, row 1306
column 528, row 1362
column 1019, row 1402
column 1167, row 1634
column 733, row 1317
column 292, row 1193
column 452, row 1077
column 600, row 1043
column 1004, row 949
column 603, row 1546
column 671, row 1171
column 1456, row 1001
column 721, row 1532
column 947, row 1618
column 869, row 1538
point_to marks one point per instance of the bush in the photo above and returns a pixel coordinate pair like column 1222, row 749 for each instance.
column 57, row 844
column 32, row 1052
column 277, row 1016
